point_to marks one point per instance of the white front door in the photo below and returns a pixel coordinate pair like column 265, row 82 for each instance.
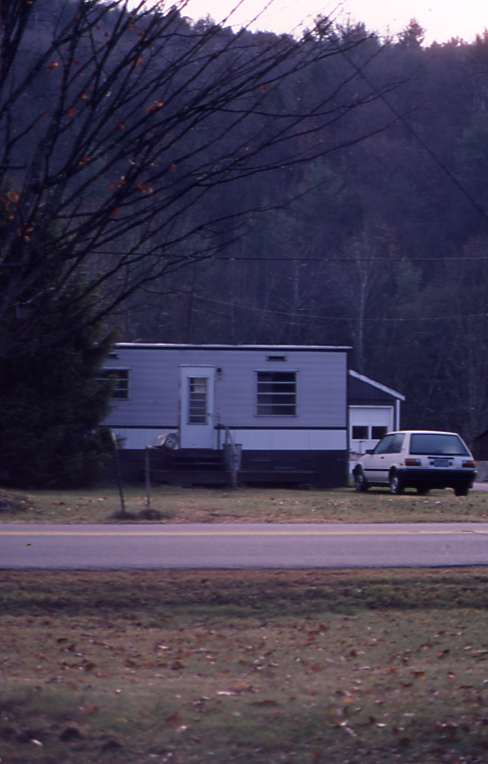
column 197, row 391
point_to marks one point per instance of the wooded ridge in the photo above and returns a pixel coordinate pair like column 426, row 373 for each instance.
column 184, row 182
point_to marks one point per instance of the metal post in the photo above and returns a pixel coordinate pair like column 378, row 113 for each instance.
column 119, row 474
column 234, row 458
column 148, row 477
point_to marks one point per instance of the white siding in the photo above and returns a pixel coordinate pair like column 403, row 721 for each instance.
column 154, row 391
column 137, row 438
column 253, row 440
column 290, row 440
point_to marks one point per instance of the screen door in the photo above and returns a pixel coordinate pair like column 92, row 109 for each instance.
column 196, row 407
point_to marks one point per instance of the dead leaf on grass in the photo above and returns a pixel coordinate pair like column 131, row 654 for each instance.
column 419, row 674
column 265, row 702
column 316, row 667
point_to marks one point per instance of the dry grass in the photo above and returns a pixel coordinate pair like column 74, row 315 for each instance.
column 184, row 505
column 262, row 667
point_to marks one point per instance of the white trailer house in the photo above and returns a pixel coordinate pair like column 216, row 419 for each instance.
column 284, row 408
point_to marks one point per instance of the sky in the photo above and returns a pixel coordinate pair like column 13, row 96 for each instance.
column 442, row 19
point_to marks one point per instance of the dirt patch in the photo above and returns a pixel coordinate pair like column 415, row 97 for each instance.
column 13, row 504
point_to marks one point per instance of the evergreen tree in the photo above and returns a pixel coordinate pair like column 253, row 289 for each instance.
column 52, row 398
column 52, row 401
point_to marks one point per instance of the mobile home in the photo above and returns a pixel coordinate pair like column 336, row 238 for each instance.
column 278, row 413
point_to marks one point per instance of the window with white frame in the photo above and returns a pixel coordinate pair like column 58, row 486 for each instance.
column 276, row 393
column 121, row 379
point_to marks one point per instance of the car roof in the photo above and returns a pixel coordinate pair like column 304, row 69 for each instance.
column 422, row 432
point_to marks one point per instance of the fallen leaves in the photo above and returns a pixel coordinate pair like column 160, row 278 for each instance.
column 250, row 671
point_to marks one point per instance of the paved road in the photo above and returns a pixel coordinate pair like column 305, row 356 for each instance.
column 219, row 546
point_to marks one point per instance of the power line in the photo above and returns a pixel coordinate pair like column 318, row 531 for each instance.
column 309, row 316
column 323, row 260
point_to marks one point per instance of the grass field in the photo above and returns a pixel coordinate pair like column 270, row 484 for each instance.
column 255, row 667
column 262, row 667
column 184, row 505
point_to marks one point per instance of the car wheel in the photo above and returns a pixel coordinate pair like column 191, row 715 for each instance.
column 360, row 482
column 461, row 490
column 396, row 486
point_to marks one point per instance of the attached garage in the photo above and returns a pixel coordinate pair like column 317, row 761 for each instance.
column 374, row 410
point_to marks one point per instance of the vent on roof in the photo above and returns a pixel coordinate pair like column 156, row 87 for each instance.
column 276, row 358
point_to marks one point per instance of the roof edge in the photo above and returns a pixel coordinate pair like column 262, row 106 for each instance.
column 378, row 385
column 183, row 346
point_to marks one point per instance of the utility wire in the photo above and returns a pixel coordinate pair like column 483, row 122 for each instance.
column 324, row 260
column 309, row 316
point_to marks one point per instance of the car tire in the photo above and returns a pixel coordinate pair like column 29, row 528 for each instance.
column 461, row 490
column 360, row 482
column 396, row 485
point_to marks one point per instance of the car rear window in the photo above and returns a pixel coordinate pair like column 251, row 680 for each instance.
column 437, row 443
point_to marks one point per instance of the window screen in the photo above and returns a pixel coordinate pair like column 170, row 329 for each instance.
column 197, row 401
column 277, row 393
column 121, row 379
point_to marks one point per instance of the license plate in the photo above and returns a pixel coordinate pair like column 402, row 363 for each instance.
column 441, row 463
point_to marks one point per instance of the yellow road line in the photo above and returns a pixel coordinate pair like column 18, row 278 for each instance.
column 168, row 533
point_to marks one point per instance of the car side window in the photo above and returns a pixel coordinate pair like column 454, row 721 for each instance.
column 396, row 443
column 383, row 447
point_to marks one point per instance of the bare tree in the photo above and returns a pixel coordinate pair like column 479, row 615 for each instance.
column 125, row 133
column 463, row 359
column 361, row 278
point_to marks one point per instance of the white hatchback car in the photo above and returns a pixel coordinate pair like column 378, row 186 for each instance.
column 421, row 459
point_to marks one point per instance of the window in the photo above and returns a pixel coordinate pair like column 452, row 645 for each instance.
column 383, row 447
column 391, row 444
column 121, row 378
column 378, row 432
column 277, row 393
column 360, row 432
column 197, row 400
column 437, row 444
column 396, row 443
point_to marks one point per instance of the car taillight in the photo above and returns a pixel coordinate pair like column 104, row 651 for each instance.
column 413, row 463
column 472, row 465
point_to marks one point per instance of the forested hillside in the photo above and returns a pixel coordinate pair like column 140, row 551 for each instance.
column 332, row 190
column 382, row 245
